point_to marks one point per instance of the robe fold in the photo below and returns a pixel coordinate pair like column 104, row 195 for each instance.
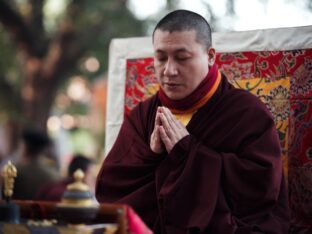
column 225, row 177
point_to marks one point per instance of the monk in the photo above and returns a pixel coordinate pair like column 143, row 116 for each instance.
column 200, row 156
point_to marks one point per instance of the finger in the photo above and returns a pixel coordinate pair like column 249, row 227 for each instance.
column 177, row 126
column 157, row 136
column 152, row 141
column 172, row 120
column 166, row 125
column 155, row 143
column 165, row 139
column 157, row 119
column 154, row 133
column 158, row 123
column 169, row 114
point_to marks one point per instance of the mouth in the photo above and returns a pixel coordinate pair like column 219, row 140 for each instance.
column 171, row 85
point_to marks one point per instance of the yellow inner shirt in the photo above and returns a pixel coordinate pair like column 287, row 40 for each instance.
column 186, row 115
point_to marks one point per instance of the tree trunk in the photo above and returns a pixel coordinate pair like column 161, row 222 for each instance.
column 38, row 92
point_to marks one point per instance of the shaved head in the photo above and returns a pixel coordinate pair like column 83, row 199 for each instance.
column 183, row 20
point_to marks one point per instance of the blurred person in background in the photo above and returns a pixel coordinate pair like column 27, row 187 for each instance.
column 33, row 171
column 54, row 191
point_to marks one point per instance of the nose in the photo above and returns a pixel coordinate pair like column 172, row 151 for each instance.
column 170, row 68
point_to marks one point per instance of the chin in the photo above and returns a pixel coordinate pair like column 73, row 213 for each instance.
column 174, row 93
column 174, row 96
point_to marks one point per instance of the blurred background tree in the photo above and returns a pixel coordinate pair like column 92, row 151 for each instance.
column 54, row 57
column 43, row 44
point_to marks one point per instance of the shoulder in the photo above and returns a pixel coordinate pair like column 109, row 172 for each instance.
column 243, row 101
column 249, row 115
column 144, row 110
column 238, row 107
column 145, row 106
column 141, row 117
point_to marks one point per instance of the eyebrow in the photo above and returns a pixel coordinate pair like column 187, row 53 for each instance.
column 181, row 50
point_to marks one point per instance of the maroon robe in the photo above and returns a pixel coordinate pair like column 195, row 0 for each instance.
column 225, row 177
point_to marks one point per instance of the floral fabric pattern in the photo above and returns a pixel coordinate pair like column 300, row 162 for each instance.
column 283, row 81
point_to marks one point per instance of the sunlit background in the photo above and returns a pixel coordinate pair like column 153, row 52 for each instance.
column 74, row 42
column 235, row 15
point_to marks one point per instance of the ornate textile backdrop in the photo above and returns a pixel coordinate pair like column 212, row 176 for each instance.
column 275, row 65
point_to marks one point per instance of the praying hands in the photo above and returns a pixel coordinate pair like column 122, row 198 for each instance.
column 167, row 131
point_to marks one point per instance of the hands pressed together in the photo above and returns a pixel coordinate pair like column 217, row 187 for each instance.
column 167, row 131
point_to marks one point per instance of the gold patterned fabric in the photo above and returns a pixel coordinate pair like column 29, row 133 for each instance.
column 283, row 81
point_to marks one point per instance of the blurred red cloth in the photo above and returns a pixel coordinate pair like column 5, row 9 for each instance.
column 135, row 223
column 53, row 191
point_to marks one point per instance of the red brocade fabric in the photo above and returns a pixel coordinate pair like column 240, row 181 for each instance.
column 283, row 81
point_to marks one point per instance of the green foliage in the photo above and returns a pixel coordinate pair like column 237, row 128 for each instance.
column 9, row 79
column 9, row 66
column 93, row 24
column 98, row 23
column 77, row 108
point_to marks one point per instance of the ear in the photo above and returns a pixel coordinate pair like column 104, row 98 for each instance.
column 211, row 56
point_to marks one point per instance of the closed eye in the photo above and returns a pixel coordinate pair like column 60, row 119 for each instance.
column 182, row 58
column 182, row 55
column 161, row 59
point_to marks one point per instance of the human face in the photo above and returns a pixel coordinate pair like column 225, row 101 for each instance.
column 180, row 62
